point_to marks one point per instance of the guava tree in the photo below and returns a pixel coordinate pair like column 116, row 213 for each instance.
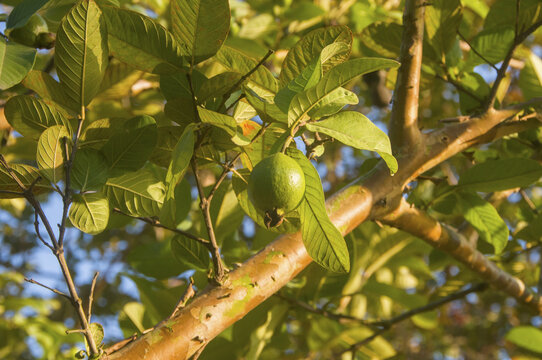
column 186, row 150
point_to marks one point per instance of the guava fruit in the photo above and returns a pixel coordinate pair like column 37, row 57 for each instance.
column 276, row 187
column 29, row 32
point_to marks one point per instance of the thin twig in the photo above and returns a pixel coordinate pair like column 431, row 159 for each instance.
column 460, row 87
column 58, row 292
column 501, row 73
column 243, row 78
column 156, row 223
column 91, row 296
column 476, row 51
column 387, row 324
column 218, row 265
column 322, row 312
column 37, row 229
column 528, row 201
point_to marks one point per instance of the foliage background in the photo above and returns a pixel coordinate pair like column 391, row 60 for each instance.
column 391, row 271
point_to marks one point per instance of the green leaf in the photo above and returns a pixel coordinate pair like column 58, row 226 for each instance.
column 323, row 241
column 81, row 52
column 303, row 102
column 217, row 86
column 484, row 218
column 133, row 318
column 226, row 213
column 155, row 259
column 493, row 44
column 27, row 174
column 384, row 38
column 22, row 12
column 333, row 103
column 267, row 111
column 180, row 160
column 261, row 81
column 15, row 62
column 118, row 80
column 533, row 231
column 51, row 152
column 141, row 42
column 200, row 26
column 226, row 123
column 476, row 84
column 530, row 77
column 309, row 48
column 442, row 21
column 502, row 174
column 354, row 129
column 89, row 170
column 175, row 86
column 190, row 252
column 526, row 337
column 89, row 212
column 309, row 77
column 30, row 116
column 130, row 149
column 291, row 225
column 138, row 193
column 48, row 88
column 503, row 13
column 167, row 139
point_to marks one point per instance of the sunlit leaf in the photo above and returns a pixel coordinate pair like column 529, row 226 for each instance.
column 138, row 193
column 323, row 241
column 81, row 52
column 15, row 62
column 354, row 129
column 51, row 154
column 180, row 160
column 89, row 212
column 30, row 116
column 89, row 170
column 304, row 102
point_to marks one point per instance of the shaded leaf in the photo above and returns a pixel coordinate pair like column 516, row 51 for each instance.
column 21, row 13
column 48, row 88
column 89, row 170
column 131, row 148
column 155, row 259
column 200, row 26
column 502, row 174
column 141, row 42
column 441, row 24
column 190, row 252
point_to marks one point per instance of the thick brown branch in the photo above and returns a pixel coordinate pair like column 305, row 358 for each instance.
column 404, row 130
column 420, row 224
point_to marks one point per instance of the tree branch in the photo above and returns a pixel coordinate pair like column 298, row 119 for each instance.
column 373, row 195
column 440, row 236
column 404, row 130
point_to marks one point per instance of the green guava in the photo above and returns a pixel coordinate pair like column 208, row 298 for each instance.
column 28, row 34
column 276, row 187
